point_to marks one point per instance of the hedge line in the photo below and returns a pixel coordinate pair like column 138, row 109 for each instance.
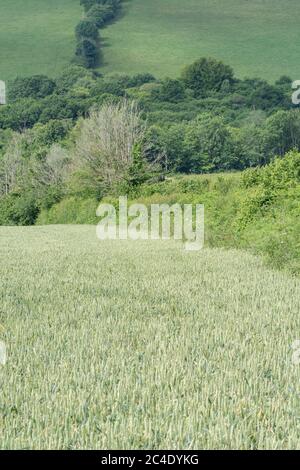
column 97, row 14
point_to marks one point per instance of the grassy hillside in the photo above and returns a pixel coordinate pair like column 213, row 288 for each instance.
column 257, row 37
column 36, row 36
column 143, row 345
column 160, row 36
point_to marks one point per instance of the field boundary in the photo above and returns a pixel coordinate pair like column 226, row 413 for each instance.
column 98, row 14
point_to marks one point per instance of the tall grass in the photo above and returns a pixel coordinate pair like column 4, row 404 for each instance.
column 143, row 345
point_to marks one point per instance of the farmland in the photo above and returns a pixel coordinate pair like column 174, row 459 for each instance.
column 143, row 345
column 258, row 38
column 36, row 36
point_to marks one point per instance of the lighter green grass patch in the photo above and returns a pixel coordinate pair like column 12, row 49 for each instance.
column 257, row 37
column 37, row 36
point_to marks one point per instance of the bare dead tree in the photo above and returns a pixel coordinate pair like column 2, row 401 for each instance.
column 107, row 138
column 11, row 165
column 54, row 169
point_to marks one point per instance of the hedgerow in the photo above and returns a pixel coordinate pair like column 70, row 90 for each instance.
column 97, row 14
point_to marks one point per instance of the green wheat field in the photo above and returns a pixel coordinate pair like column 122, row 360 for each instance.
column 143, row 345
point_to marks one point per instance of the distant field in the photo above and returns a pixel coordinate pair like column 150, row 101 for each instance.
column 257, row 37
column 36, row 36
column 118, row 345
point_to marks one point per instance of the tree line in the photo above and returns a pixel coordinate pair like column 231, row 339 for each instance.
column 53, row 131
column 97, row 14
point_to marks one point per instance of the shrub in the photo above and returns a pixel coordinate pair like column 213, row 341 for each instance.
column 100, row 14
column 70, row 211
column 170, row 90
column 37, row 86
column 206, row 75
column 87, row 52
column 18, row 209
column 86, row 29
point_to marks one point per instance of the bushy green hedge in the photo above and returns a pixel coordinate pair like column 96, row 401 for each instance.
column 18, row 210
column 98, row 14
column 71, row 210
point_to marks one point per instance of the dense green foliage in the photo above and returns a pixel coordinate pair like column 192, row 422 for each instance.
column 38, row 86
column 206, row 75
column 98, row 14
